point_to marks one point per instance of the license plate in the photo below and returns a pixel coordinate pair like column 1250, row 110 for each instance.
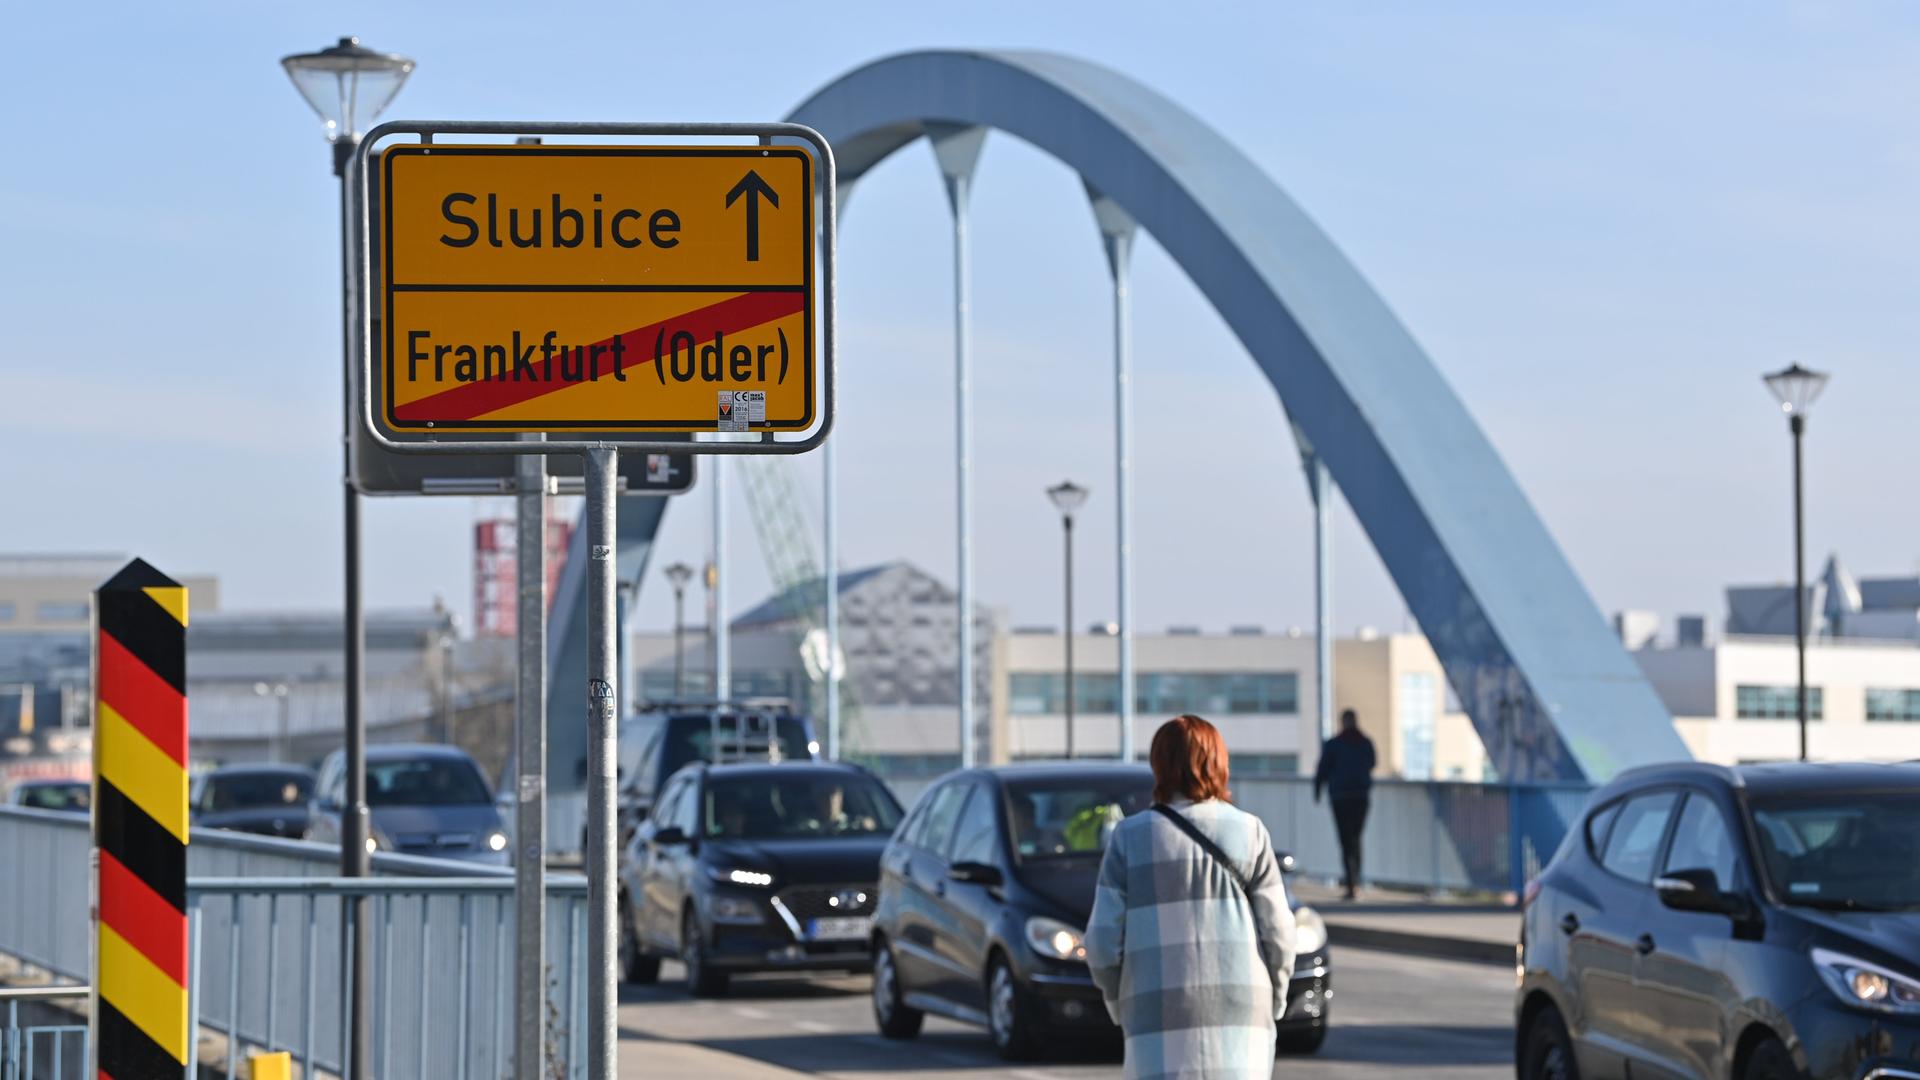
column 847, row 928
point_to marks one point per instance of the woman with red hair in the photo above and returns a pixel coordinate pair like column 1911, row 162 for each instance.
column 1191, row 937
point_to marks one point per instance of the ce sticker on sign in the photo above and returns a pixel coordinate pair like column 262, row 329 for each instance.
column 548, row 288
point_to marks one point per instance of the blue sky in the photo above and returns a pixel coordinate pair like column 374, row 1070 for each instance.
column 1602, row 224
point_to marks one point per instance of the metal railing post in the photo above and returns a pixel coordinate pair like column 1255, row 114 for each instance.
column 234, row 924
column 1516, row 846
column 307, row 995
column 193, row 986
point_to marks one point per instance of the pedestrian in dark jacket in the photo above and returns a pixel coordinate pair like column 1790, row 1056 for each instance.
column 1346, row 774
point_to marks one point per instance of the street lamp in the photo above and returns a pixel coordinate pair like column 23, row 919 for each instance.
column 283, row 741
column 349, row 85
column 1796, row 388
column 678, row 575
column 1068, row 497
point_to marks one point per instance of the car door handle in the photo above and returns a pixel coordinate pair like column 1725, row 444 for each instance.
column 1644, row 945
column 1570, row 925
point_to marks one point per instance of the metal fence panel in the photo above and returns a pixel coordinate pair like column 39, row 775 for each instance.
column 280, row 969
column 40, row 1040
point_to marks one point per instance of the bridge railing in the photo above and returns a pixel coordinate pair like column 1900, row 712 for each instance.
column 266, row 917
column 1428, row 836
column 270, row 972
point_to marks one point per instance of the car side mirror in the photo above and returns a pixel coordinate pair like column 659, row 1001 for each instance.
column 671, row 836
column 976, row 872
column 1697, row 890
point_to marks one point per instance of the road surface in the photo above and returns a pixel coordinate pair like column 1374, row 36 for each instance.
column 1434, row 1018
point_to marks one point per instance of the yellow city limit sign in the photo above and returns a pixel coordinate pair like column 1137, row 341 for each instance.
column 605, row 288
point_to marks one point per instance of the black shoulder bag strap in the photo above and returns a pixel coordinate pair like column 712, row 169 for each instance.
column 1212, row 849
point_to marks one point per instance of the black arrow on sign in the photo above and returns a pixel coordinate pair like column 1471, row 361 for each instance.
column 753, row 188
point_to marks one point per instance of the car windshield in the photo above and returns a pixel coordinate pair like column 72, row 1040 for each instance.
column 1069, row 817
column 803, row 803
column 74, row 796
column 1851, row 852
column 424, row 782
column 244, row 791
column 693, row 738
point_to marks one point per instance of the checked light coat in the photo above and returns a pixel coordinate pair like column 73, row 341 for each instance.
column 1173, row 945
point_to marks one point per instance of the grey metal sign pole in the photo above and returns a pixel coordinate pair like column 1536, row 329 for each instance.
column 602, row 476
column 530, row 754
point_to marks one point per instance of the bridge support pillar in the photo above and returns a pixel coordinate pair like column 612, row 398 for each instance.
column 1116, row 236
column 957, row 150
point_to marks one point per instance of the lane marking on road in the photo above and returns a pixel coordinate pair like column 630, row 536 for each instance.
column 815, row 1026
column 750, row 1014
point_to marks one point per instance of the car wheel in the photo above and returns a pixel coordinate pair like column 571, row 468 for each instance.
column 1547, row 1052
column 1770, row 1061
column 895, row 1018
column 636, row 966
column 1302, row 1041
column 702, row 980
column 1008, row 1016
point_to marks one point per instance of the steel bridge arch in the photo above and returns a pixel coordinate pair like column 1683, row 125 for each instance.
column 1550, row 690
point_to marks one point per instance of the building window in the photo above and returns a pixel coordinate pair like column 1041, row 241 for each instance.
column 1417, row 709
column 1167, row 693
column 61, row 611
column 1030, row 694
column 658, row 685
column 6, row 611
column 1899, row 706
column 1247, row 766
column 1775, row 703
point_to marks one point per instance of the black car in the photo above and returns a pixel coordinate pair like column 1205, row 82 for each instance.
column 984, row 896
column 665, row 737
column 755, row 868
column 1751, row 923
column 266, row 799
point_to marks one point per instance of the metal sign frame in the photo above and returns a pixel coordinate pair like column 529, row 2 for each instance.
column 380, row 473
column 360, row 244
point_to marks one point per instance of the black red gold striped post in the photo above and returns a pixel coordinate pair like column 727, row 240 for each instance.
column 140, row 825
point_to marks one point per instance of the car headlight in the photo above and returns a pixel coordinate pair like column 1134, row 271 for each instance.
column 496, row 841
column 1866, row 985
column 735, row 910
column 1309, row 931
column 733, row 876
column 1053, row 938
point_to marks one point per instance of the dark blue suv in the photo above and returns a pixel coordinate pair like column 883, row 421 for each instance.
column 1753, row 923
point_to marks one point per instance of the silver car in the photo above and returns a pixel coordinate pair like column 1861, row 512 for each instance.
column 424, row 800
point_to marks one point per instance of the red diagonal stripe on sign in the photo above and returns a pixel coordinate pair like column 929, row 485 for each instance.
column 155, row 709
column 468, row 400
column 143, row 918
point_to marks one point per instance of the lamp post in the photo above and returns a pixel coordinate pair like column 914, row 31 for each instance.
column 1068, row 497
column 283, row 738
column 349, row 85
column 678, row 575
column 1796, row 388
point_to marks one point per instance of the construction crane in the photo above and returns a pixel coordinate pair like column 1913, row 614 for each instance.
column 796, row 570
